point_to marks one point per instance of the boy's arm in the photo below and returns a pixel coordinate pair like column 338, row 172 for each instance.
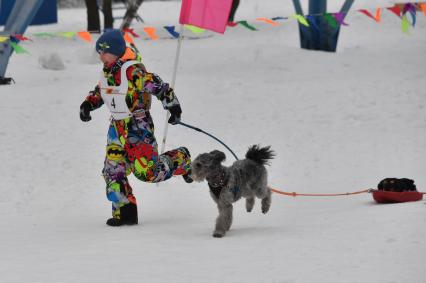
column 164, row 93
column 93, row 101
column 94, row 98
column 168, row 98
column 152, row 84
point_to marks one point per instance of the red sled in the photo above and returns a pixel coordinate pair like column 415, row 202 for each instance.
column 396, row 197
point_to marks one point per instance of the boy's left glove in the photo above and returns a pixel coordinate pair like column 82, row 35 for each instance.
column 175, row 112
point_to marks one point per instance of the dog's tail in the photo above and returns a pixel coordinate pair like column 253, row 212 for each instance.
column 260, row 155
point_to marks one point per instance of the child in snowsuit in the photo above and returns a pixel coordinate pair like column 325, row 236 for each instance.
column 126, row 88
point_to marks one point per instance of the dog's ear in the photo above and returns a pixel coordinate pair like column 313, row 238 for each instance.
column 217, row 155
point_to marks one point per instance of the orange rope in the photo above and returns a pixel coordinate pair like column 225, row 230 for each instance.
column 294, row 194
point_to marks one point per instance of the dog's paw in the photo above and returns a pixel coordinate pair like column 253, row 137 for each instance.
column 218, row 234
column 266, row 204
column 265, row 209
column 249, row 204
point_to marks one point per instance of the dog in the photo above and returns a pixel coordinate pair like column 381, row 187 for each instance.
column 246, row 178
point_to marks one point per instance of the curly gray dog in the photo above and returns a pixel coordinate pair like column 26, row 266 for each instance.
column 245, row 178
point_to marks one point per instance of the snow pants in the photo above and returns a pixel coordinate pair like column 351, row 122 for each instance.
column 132, row 148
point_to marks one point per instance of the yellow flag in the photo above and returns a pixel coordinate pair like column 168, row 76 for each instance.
column 3, row 38
column 195, row 29
column 67, row 34
column 302, row 20
column 405, row 24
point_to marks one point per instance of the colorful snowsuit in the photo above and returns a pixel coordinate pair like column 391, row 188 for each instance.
column 131, row 144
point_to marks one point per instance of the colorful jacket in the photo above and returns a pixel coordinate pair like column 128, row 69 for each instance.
column 142, row 85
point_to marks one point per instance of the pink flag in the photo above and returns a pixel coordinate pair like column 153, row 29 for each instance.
column 208, row 14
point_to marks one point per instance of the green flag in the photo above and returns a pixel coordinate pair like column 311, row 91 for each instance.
column 18, row 49
column 246, row 24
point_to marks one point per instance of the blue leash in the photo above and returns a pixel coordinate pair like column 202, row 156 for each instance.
column 210, row 135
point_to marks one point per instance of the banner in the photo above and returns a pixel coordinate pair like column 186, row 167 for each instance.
column 207, row 14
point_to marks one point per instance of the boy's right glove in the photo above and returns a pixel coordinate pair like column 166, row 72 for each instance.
column 85, row 109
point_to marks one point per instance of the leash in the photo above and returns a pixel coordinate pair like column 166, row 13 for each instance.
column 210, row 135
column 294, row 194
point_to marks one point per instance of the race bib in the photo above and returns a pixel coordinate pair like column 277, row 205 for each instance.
column 114, row 97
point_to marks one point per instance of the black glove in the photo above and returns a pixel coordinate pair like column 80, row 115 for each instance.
column 85, row 109
column 175, row 112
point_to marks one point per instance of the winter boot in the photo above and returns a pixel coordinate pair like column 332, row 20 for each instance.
column 187, row 177
column 128, row 216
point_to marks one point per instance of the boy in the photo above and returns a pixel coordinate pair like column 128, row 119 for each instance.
column 126, row 88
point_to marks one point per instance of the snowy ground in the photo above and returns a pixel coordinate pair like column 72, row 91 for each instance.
column 338, row 122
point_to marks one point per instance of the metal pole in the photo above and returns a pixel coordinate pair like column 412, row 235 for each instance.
column 317, row 6
column 347, row 6
column 172, row 85
column 20, row 17
column 298, row 7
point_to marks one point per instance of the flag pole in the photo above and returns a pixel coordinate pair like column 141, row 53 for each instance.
column 172, row 85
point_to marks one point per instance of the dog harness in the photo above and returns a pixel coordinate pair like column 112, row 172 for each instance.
column 115, row 96
column 216, row 187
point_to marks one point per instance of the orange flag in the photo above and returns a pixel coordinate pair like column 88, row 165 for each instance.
column 85, row 35
column 150, row 31
column 423, row 6
column 128, row 38
column 378, row 15
column 377, row 18
column 268, row 21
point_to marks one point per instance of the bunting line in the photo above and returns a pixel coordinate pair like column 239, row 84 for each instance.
column 268, row 21
column 403, row 11
column 368, row 14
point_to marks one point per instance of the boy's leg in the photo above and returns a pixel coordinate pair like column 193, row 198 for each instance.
column 93, row 23
column 142, row 152
column 108, row 18
column 118, row 190
column 149, row 166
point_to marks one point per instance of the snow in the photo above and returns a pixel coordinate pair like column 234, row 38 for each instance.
column 51, row 61
column 338, row 123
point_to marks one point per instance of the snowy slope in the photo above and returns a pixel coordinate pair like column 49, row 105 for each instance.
column 338, row 123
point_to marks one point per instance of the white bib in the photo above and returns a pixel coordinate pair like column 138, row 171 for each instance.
column 114, row 97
